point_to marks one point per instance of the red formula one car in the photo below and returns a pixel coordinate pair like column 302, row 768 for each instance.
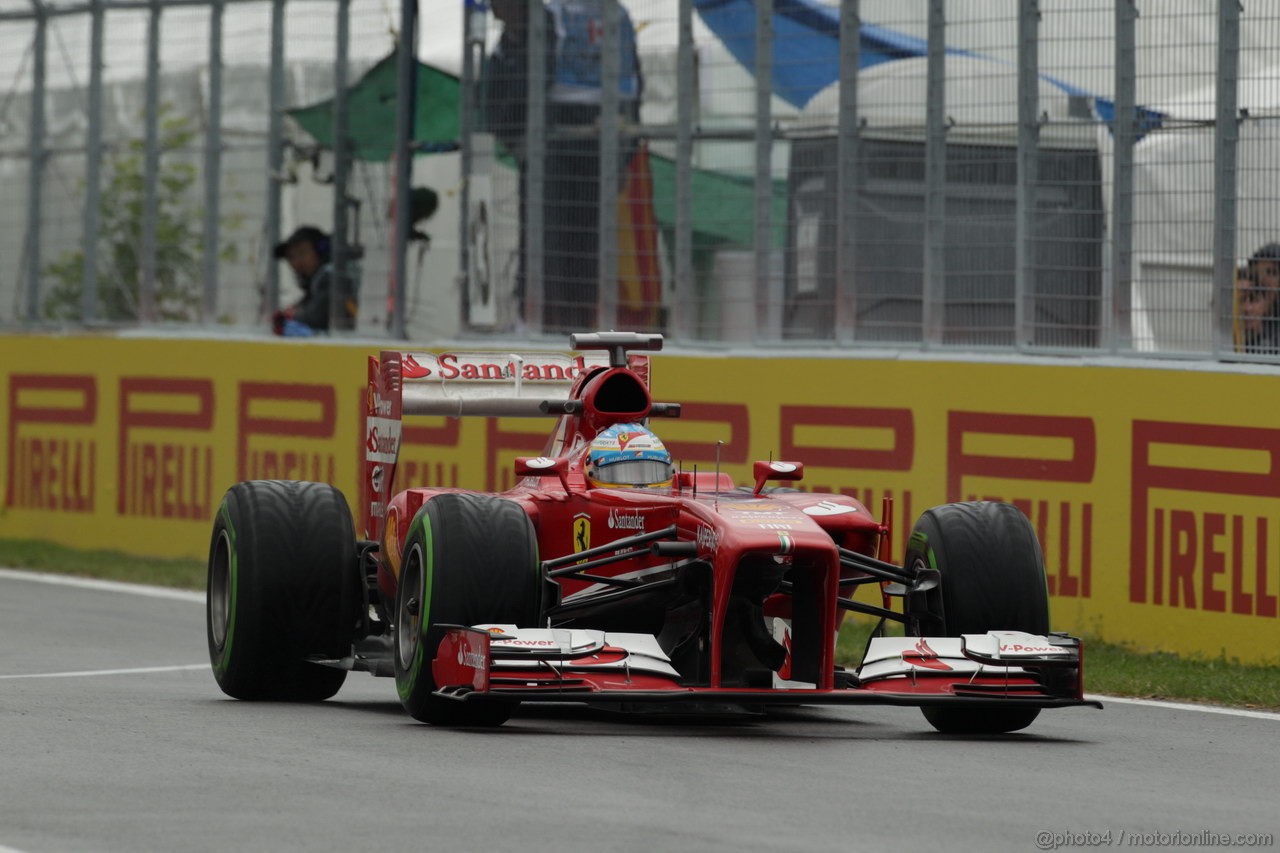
column 610, row 577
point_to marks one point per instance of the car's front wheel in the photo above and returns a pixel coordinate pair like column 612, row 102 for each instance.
column 468, row 560
column 283, row 584
column 992, row 579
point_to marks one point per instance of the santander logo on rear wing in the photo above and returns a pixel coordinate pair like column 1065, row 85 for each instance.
column 480, row 383
column 484, row 384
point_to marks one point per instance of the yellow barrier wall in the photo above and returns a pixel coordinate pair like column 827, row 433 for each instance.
column 1156, row 492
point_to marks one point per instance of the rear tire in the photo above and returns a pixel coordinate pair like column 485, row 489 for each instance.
column 992, row 579
column 468, row 560
column 283, row 584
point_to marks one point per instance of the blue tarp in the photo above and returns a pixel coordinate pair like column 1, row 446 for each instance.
column 806, row 43
column 806, row 50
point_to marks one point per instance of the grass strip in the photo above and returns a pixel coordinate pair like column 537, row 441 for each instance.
column 104, row 565
column 1118, row 670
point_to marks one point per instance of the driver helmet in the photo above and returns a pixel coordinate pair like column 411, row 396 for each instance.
column 628, row 456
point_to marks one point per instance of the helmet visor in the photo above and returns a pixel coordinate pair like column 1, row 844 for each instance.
column 634, row 472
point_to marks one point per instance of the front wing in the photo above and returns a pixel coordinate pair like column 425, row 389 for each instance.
column 999, row 668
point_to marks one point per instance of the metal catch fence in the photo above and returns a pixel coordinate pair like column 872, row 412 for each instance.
column 1043, row 176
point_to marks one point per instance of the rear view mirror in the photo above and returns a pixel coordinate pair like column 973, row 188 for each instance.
column 765, row 471
column 543, row 466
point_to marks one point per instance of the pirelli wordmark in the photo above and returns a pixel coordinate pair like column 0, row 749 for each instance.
column 165, row 448
column 285, row 431
column 1189, row 548
column 986, row 446
column 52, row 453
column 870, row 450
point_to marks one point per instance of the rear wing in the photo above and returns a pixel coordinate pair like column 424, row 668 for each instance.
column 483, row 384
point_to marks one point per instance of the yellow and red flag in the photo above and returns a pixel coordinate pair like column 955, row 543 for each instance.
column 639, row 269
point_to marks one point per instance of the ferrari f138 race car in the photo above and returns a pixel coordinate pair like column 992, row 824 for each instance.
column 610, row 576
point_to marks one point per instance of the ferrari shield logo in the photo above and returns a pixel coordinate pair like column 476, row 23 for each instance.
column 581, row 532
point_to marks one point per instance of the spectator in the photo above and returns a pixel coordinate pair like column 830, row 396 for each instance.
column 1257, row 302
column 571, row 198
column 307, row 252
column 504, row 80
column 572, row 211
column 505, row 96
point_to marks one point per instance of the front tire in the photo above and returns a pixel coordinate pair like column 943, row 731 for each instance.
column 468, row 560
column 283, row 584
column 992, row 579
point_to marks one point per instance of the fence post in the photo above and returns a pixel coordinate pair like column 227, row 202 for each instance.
column 275, row 156
column 151, row 170
column 611, row 72
column 688, row 313
column 93, row 168
column 1119, row 329
column 473, row 19
column 1024, row 294
column 933, row 295
column 213, row 165
column 535, row 164
column 846, row 291
column 406, row 148
column 341, row 161
column 768, row 311
column 1226, row 139
column 38, row 155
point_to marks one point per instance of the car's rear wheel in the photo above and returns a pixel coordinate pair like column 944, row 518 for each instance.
column 283, row 584
column 468, row 560
column 992, row 579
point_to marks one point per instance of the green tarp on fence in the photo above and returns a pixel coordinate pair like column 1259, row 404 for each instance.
column 371, row 112
column 722, row 203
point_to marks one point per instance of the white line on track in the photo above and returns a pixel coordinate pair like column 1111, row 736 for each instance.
column 87, row 672
column 1183, row 706
column 105, row 586
column 4, row 849
column 108, row 586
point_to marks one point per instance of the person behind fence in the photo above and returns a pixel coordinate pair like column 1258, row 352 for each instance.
column 572, row 200
column 1257, row 300
column 504, row 95
column 307, row 251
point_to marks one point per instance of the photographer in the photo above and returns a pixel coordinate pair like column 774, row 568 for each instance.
column 1257, row 298
column 307, row 253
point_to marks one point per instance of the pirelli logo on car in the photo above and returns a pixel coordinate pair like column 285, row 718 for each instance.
column 382, row 440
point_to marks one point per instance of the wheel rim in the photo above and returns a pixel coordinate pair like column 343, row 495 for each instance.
column 220, row 590
column 408, row 622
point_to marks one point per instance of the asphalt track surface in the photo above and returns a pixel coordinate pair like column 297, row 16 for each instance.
column 114, row 737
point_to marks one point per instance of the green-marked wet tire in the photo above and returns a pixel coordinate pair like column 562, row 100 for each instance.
column 468, row 560
column 283, row 584
column 993, row 579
